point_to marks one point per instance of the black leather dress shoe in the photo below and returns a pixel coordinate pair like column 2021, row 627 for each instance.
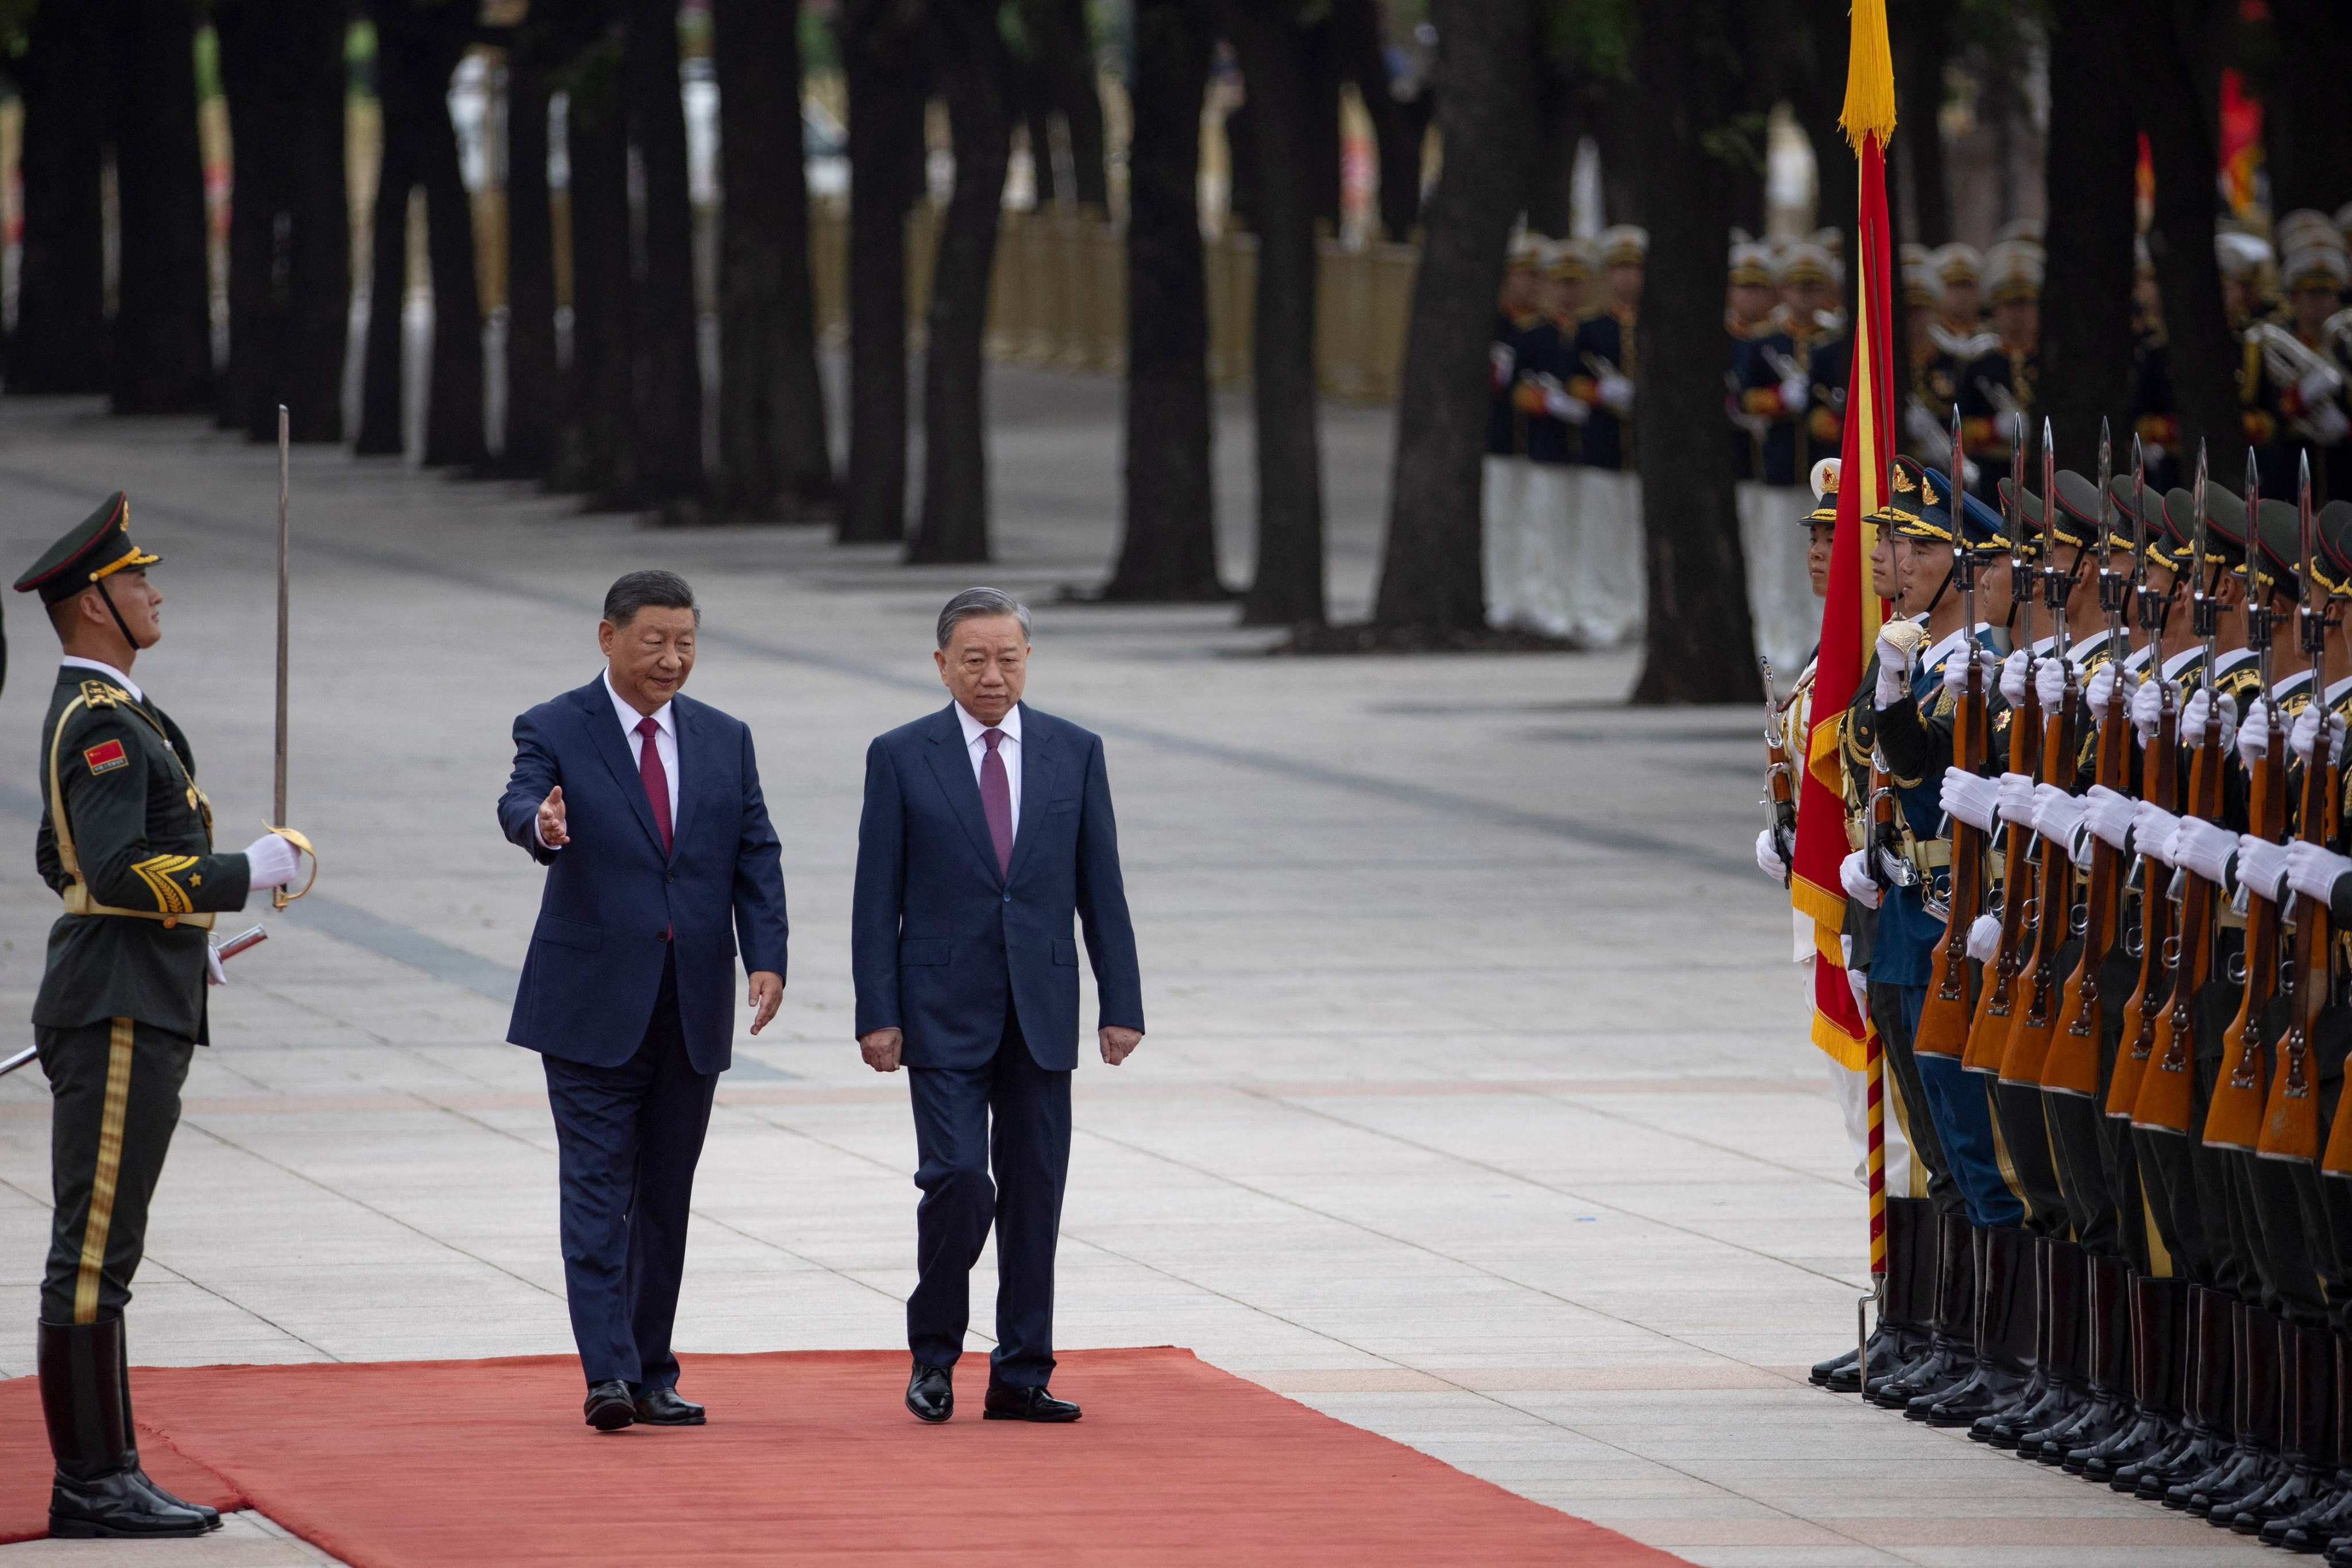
column 1004, row 1403
column 930, row 1395
column 663, row 1407
column 609, row 1406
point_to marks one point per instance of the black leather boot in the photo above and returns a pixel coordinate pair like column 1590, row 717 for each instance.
column 210, row 1515
column 2159, row 1310
column 2307, row 1469
column 1950, row 1355
column 2005, row 1331
column 1901, row 1336
column 2330, row 1514
column 2104, row 1406
column 100, row 1490
column 2212, row 1375
column 2254, row 1454
column 2031, row 1403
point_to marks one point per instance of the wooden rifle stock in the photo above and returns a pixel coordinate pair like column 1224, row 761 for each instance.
column 2162, row 1105
column 2072, row 1066
column 2291, row 1119
column 2029, row 1034
column 1942, row 1028
column 2234, row 1118
column 2160, row 786
column 1988, row 1030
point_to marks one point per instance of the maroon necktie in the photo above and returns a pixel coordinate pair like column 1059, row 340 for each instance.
column 649, row 769
column 996, row 800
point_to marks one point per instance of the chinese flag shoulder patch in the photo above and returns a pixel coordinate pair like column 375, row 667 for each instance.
column 106, row 757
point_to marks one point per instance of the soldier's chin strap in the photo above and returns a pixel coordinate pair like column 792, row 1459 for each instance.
column 136, row 646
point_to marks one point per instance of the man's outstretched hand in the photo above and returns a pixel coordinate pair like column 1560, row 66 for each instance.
column 767, row 995
column 550, row 820
column 1118, row 1043
column 881, row 1049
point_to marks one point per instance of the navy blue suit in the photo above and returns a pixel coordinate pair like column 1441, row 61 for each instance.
column 628, row 995
column 979, row 969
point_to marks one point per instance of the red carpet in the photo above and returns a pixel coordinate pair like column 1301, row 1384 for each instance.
column 809, row 1459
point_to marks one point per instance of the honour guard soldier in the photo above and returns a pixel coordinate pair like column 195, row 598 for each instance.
column 126, row 840
column 1608, row 602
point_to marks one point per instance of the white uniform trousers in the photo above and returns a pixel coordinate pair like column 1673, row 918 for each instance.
column 1502, row 497
column 1550, row 513
column 1772, row 536
column 1611, row 582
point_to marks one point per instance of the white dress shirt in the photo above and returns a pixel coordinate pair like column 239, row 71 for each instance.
column 665, row 741
column 75, row 661
column 1009, row 748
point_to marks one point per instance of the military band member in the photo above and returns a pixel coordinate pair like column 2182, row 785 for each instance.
column 1935, row 369
column 1959, row 277
column 1502, row 476
column 1608, row 602
column 126, row 840
column 1773, row 382
column 2150, row 407
column 2297, row 372
column 1998, row 385
column 1549, row 499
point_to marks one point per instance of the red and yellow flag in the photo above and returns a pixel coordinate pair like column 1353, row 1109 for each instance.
column 1852, row 612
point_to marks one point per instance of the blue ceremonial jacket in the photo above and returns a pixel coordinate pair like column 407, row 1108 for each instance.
column 615, row 903
column 940, row 941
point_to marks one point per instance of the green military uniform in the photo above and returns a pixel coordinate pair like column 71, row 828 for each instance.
column 126, row 841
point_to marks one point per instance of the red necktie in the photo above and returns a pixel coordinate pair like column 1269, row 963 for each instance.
column 996, row 800
column 657, row 780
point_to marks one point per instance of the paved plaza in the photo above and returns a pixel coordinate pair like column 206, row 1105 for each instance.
column 1475, row 1108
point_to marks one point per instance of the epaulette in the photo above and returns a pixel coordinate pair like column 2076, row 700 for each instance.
column 95, row 694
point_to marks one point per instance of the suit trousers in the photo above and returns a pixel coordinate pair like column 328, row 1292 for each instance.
column 114, row 1101
column 629, row 1138
column 1012, row 1116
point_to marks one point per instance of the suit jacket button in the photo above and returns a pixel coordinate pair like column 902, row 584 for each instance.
column 671, row 876
column 1008, row 898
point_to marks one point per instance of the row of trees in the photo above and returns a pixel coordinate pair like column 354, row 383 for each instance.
column 1674, row 93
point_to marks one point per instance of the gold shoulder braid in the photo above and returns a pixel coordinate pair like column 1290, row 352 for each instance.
column 155, row 872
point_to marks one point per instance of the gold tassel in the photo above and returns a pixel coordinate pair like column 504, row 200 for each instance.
column 1869, row 77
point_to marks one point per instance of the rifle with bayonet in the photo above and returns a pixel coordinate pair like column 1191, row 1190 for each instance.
column 2162, row 1105
column 1996, row 1008
column 2291, row 1119
column 2072, row 1063
column 2234, row 1119
column 2029, row 1037
column 1943, row 1026
column 2160, row 787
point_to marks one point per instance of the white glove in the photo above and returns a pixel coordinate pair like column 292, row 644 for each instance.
column 2100, row 688
column 1853, row 875
column 1894, row 670
column 2262, row 867
column 2012, row 678
column 2313, row 871
column 2050, row 683
column 2110, row 816
column 1795, row 393
column 2306, row 732
column 2058, row 816
column 2152, row 831
column 2320, row 386
column 2200, row 847
column 1617, row 394
column 1504, row 358
column 215, row 973
column 2192, row 718
column 2016, row 798
column 1768, row 858
column 2255, row 734
column 1969, row 799
column 1858, row 982
column 1984, row 938
column 2326, row 422
column 1955, row 669
column 1561, row 405
column 1921, row 426
column 2147, row 707
column 271, row 862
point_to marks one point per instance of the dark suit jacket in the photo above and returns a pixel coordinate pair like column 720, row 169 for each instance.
column 595, row 961
column 938, row 939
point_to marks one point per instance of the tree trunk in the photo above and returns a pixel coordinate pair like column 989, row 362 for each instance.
column 2179, row 69
column 973, row 72
column 533, row 372
column 163, row 361
column 1923, row 45
column 454, row 413
column 597, row 452
column 1319, row 56
column 1273, row 54
column 886, row 92
column 1168, row 551
column 2306, row 142
column 382, row 374
column 1550, row 200
column 318, row 246
column 2086, row 313
column 255, row 79
column 1430, row 573
column 62, row 333
column 773, row 458
column 1064, row 58
column 1358, row 41
column 668, row 364
column 1816, row 99
column 1698, row 645
column 1617, row 129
